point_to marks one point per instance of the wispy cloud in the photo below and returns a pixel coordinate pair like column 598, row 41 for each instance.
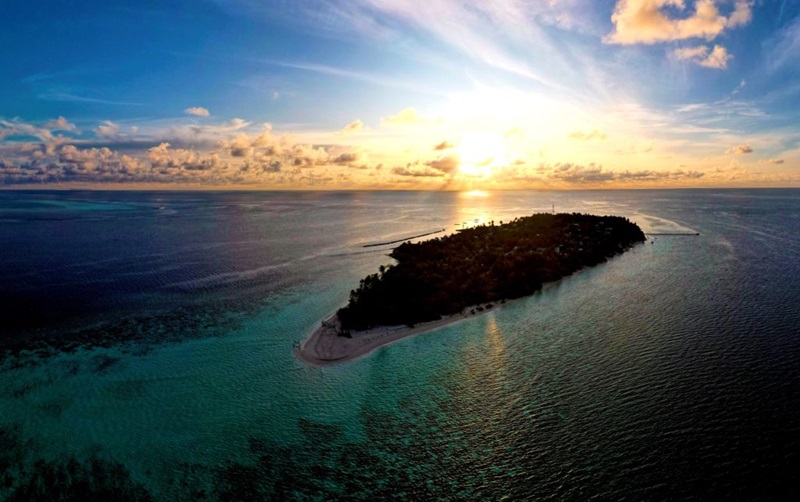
column 73, row 98
column 783, row 47
column 490, row 33
column 594, row 134
column 355, row 75
column 409, row 116
column 197, row 111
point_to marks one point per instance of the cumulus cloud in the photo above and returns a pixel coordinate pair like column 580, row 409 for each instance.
column 448, row 164
column 716, row 58
column 417, row 171
column 775, row 161
column 409, row 116
column 241, row 159
column 107, row 129
column 740, row 149
column 587, row 136
column 444, row 145
column 206, row 134
column 353, row 127
column 17, row 128
column 594, row 174
column 265, row 149
column 437, row 168
column 655, row 21
column 346, row 158
column 60, row 124
column 218, row 154
column 197, row 111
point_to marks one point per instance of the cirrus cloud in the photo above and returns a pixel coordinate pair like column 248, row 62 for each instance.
column 409, row 116
column 594, row 134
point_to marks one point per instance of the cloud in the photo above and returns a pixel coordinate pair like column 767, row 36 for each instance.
column 16, row 128
column 198, row 111
column 265, row 148
column 740, row 149
column 274, row 166
column 448, row 164
column 239, row 146
column 72, row 98
column 49, row 141
column 574, row 173
column 409, row 116
column 416, row 171
column 69, row 163
column 353, row 127
column 60, row 124
column 775, row 161
column 654, row 21
column 595, row 174
column 717, row 58
column 588, row 136
column 346, row 158
column 444, row 145
column 481, row 31
column 783, row 46
column 107, row 129
column 235, row 158
column 204, row 134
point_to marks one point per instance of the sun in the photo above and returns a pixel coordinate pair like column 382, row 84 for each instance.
column 481, row 153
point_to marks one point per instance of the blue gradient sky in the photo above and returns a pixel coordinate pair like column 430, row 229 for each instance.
column 400, row 94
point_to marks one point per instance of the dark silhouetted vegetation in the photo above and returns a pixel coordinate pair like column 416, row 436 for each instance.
column 487, row 263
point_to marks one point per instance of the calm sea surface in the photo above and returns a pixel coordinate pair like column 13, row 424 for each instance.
column 146, row 352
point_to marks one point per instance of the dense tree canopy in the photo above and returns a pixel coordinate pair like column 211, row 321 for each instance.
column 487, row 263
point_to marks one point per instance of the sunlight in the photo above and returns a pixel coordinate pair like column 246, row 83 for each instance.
column 476, row 193
column 481, row 153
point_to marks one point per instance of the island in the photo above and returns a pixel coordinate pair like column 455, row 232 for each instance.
column 472, row 271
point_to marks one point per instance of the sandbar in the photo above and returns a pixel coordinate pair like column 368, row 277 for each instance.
column 324, row 346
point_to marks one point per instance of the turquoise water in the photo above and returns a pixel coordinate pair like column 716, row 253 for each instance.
column 147, row 353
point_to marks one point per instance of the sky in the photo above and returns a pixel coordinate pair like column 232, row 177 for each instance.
column 399, row 94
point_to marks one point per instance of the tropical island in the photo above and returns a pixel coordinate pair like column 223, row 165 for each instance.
column 469, row 272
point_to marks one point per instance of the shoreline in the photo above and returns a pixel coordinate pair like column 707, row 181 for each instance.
column 324, row 347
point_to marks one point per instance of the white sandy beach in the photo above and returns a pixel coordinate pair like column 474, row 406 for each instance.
column 325, row 347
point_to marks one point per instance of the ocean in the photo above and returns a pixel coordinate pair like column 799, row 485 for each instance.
column 146, row 346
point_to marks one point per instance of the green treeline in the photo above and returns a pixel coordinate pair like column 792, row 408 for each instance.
column 487, row 263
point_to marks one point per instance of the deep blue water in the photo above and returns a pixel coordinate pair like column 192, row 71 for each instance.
column 146, row 352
